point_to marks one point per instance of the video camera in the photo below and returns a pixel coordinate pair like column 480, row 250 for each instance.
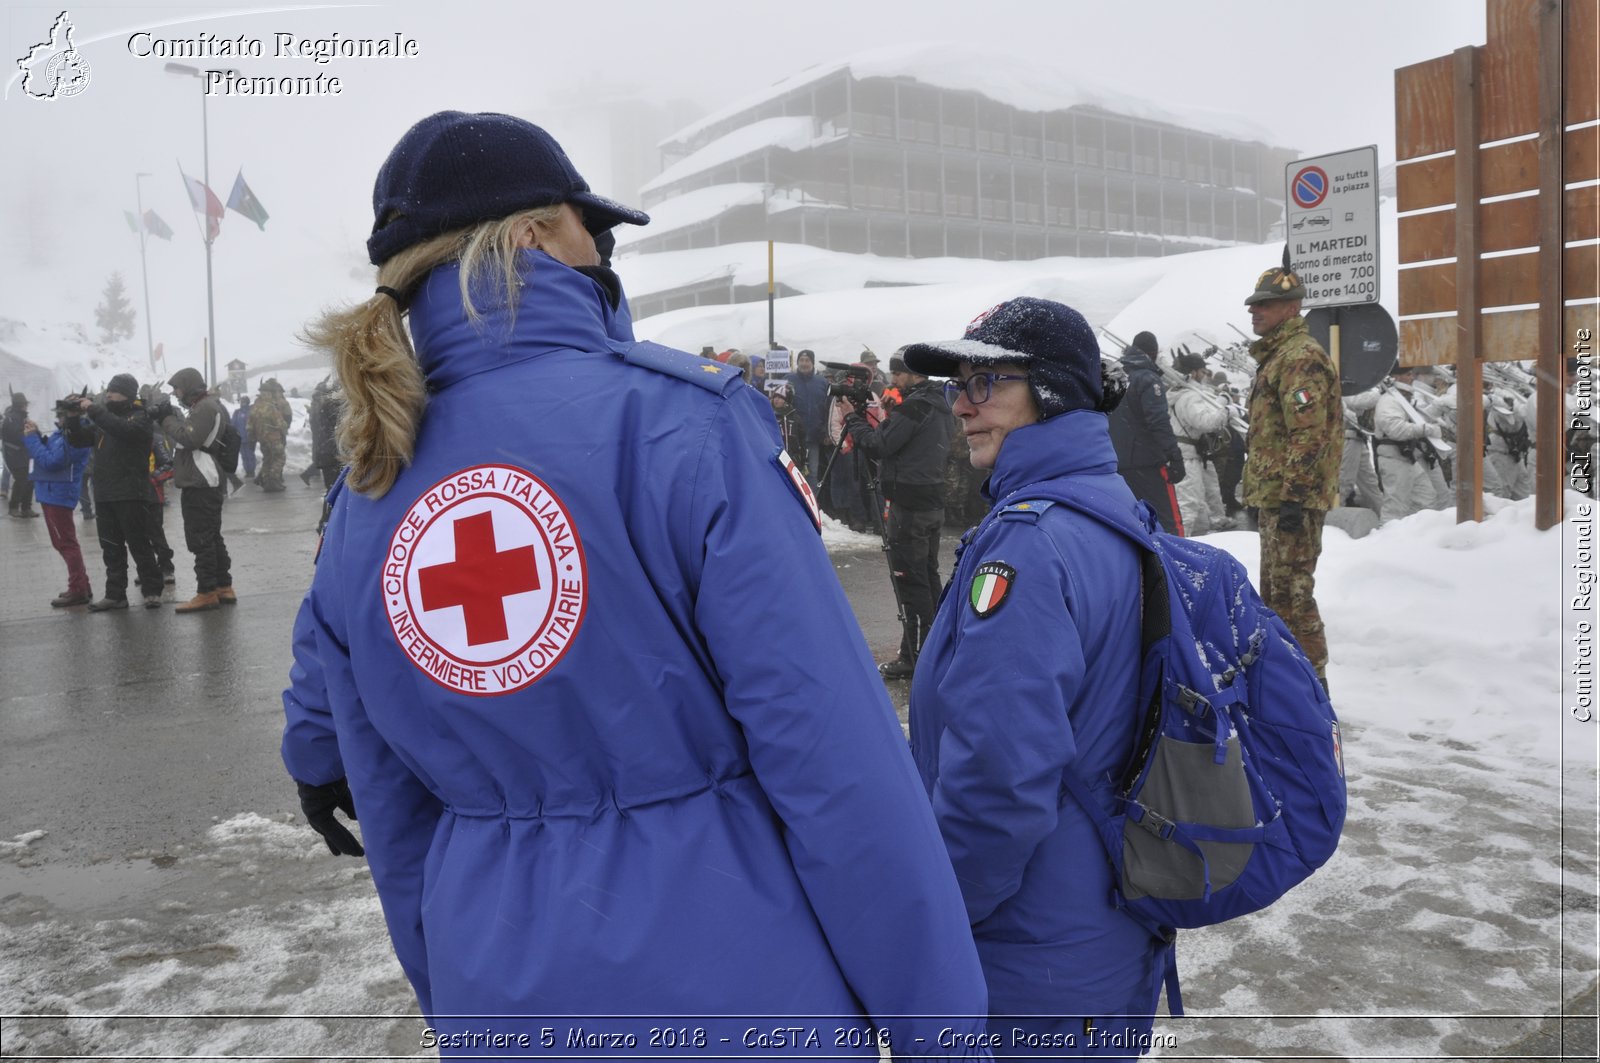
column 856, row 385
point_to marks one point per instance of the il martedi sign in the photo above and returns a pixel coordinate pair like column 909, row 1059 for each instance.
column 319, row 51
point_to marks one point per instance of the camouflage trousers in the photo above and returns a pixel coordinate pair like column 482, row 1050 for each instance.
column 272, row 448
column 1289, row 578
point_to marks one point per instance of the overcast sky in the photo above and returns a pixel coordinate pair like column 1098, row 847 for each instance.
column 1320, row 77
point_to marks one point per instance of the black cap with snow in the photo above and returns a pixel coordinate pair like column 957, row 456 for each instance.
column 1051, row 339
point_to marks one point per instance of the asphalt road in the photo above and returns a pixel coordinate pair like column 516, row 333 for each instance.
column 130, row 732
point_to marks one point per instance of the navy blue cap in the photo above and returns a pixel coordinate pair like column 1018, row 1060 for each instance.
column 1051, row 339
column 454, row 169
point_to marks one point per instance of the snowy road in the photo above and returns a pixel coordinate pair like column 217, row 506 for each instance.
column 151, row 862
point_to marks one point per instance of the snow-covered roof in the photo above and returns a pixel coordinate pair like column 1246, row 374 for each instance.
column 692, row 208
column 705, row 204
column 998, row 75
column 789, row 131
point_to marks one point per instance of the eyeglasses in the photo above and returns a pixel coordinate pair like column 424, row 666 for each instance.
column 977, row 386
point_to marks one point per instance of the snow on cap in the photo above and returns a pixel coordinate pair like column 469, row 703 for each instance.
column 454, row 169
column 1051, row 339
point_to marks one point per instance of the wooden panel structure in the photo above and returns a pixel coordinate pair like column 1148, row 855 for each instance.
column 1424, row 105
column 1505, row 170
column 1535, row 78
column 1581, row 73
column 1508, row 86
column 1504, row 226
column 1512, row 336
column 1511, row 280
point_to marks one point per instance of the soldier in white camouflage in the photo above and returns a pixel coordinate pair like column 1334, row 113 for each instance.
column 1295, row 446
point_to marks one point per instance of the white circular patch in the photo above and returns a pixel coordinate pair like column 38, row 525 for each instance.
column 484, row 581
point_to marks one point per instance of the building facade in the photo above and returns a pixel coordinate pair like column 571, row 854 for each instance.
column 895, row 166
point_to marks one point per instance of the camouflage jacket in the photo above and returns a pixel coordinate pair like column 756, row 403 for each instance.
column 269, row 417
column 1296, row 422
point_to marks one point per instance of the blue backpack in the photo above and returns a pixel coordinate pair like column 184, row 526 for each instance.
column 1235, row 791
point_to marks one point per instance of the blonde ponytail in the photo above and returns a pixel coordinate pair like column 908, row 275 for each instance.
column 385, row 393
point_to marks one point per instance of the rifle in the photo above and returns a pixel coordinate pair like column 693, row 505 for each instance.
column 1440, row 448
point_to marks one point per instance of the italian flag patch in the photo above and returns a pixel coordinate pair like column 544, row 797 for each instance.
column 990, row 587
column 1302, row 398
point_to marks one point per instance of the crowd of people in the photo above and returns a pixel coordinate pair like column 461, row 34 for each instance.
column 118, row 456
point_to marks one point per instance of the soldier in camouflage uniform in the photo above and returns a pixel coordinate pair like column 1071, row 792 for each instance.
column 269, row 426
column 1295, row 446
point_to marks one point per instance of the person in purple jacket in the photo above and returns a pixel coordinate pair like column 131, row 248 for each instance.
column 526, row 660
column 1031, row 669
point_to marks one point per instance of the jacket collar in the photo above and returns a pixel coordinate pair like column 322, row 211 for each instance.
column 1077, row 442
column 1269, row 344
column 1136, row 359
column 559, row 309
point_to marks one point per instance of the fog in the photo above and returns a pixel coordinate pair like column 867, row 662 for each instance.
column 1315, row 80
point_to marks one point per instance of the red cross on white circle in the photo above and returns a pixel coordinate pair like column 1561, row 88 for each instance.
column 484, row 582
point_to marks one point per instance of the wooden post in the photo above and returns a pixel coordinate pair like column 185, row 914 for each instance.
column 1551, row 394
column 1469, row 303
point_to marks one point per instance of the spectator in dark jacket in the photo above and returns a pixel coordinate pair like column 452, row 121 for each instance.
column 200, row 477
column 1141, row 430
column 16, row 456
column 811, row 405
column 120, row 432
column 911, row 448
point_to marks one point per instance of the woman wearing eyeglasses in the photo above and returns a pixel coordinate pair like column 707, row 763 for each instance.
column 1032, row 666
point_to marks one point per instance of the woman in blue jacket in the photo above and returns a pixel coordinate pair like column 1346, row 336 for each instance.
column 1031, row 667
column 581, row 794
column 57, row 481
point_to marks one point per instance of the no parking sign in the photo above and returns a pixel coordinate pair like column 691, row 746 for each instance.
column 1331, row 226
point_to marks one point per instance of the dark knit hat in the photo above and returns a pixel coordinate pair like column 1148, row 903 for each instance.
column 1146, row 342
column 187, row 379
column 1051, row 339
column 454, row 169
column 125, row 385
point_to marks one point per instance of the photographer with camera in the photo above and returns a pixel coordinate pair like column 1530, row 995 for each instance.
column 120, row 432
column 200, row 477
column 910, row 448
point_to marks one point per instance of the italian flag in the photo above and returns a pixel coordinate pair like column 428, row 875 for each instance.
column 987, row 590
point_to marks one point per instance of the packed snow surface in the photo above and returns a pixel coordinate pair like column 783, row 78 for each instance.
column 1441, row 913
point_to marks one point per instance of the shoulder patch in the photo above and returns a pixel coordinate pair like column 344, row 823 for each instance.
column 1028, row 511
column 990, row 585
column 713, row 376
column 797, row 484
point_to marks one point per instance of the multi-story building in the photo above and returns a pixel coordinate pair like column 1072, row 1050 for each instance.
column 932, row 151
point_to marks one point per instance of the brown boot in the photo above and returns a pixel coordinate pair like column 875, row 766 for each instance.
column 199, row 603
column 226, row 596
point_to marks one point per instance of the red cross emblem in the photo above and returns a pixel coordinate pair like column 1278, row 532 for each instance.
column 479, row 579
column 484, row 582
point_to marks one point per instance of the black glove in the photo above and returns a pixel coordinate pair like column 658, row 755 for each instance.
column 1291, row 516
column 1175, row 470
column 319, row 803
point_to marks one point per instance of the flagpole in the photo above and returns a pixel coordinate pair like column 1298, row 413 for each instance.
column 205, row 148
column 144, row 268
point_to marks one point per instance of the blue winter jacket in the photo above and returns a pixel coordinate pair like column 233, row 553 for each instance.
column 57, row 468
column 615, row 740
column 1002, row 703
